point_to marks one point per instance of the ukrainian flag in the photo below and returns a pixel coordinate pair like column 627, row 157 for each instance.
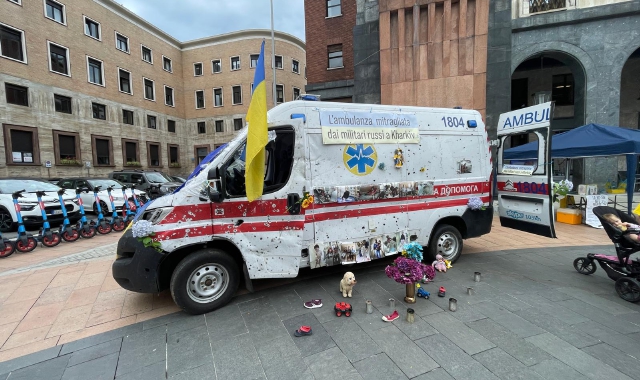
column 257, row 132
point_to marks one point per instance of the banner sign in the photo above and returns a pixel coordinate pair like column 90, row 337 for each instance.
column 592, row 201
column 517, row 169
column 369, row 135
column 537, row 116
column 339, row 118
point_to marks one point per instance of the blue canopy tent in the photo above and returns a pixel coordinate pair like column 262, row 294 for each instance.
column 591, row 140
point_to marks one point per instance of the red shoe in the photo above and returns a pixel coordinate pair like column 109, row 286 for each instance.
column 391, row 317
column 303, row 330
column 441, row 291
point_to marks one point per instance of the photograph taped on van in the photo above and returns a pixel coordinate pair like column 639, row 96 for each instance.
column 524, row 180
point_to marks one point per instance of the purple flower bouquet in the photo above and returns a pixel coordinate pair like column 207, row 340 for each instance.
column 408, row 271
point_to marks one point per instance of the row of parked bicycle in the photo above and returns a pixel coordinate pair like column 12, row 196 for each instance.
column 85, row 228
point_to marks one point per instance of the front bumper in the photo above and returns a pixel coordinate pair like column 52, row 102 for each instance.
column 36, row 220
column 136, row 267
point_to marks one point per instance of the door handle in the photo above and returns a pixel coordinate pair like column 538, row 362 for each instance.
column 293, row 203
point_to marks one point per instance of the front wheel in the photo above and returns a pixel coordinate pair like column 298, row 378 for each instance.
column 88, row 232
column 70, row 234
column 447, row 242
column 119, row 225
column 104, row 228
column 584, row 266
column 204, row 281
column 8, row 249
column 628, row 289
column 51, row 241
column 26, row 246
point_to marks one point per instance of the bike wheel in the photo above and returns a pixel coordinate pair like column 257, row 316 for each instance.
column 70, row 235
column 584, row 266
column 8, row 249
column 119, row 225
column 29, row 246
column 51, row 241
column 88, row 232
column 104, row 229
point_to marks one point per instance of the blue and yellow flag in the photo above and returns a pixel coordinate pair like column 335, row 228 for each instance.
column 257, row 132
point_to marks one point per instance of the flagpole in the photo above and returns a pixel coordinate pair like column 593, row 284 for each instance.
column 273, row 57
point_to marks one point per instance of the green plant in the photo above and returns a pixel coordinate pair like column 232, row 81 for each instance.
column 174, row 165
column 149, row 242
column 69, row 161
column 133, row 163
column 561, row 189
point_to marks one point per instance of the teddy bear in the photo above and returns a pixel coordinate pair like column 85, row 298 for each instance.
column 439, row 264
column 347, row 283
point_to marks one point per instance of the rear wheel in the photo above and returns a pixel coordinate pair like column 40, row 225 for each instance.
column 51, row 241
column 8, row 249
column 204, row 281
column 88, row 232
column 447, row 242
column 628, row 289
column 26, row 246
column 104, row 228
column 584, row 266
column 119, row 225
column 6, row 221
column 70, row 234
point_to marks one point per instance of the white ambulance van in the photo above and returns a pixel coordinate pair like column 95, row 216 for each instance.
column 344, row 184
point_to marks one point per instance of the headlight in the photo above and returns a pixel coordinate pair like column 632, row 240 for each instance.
column 165, row 189
column 27, row 206
column 155, row 216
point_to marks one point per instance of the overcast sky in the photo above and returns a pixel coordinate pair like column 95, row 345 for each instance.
column 191, row 19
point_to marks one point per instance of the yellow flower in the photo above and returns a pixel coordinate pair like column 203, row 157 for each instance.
column 310, row 199
column 305, row 203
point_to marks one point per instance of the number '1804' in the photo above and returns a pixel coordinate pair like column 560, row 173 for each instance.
column 452, row 122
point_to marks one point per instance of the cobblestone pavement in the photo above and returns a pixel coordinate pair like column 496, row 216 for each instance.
column 532, row 317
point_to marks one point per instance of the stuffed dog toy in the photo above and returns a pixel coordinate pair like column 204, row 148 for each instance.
column 347, row 283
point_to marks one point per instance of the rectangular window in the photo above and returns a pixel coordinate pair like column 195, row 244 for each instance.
column 171, row 126
column 153, row 154
column 335, row 56
column 199, row 99
column 130, row 152
column 295, row 66
column 202, row 127
column 102, row 152
column 278, row 61
column 92, row 28
column 151, row 122
column 99, row 111
column 174, row 154
column 127, row 117
column 147, row 56
column 149, row 89
column 54, row 11
column 12, row 44
column 334, row 8
column 21, row 145
column 279, row 93
column 62, row 103
column 216, row 66
column 217, row 97
column 17, row 95
column 237, row 124
column 168, row 96
column 95, row 72
column 296, row 93
column 122, row 42
column 197, row 69
column 562, row 91
column 235, row 63
column 251, row 88
column 58, row 59
column 124, row 81
column 166, row 64
column 254, row 60
column 66, row 146
column 200, row 151
column 219, row 125
column 237, row 94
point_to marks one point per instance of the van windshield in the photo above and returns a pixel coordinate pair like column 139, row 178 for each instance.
column 157, row 178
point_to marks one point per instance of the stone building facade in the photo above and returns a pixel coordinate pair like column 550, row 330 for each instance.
column 89, row 81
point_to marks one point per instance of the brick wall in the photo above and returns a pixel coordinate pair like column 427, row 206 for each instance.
column 322, row 31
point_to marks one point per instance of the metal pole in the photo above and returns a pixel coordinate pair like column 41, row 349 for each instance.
column 273, row 57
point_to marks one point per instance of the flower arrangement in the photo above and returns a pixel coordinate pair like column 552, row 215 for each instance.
column 475, row 203
column 69, row 161
column 143, row 231
column 412, row 251
column 174, row 165
column 408, row 271
column 306, row 201
column 561, row 189
column 132, row 163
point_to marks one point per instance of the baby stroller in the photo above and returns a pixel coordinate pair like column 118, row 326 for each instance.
column 624, row 271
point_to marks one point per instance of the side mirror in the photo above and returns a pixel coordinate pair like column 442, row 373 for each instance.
column 214, row 173
column 139, row 180
column 214, row 190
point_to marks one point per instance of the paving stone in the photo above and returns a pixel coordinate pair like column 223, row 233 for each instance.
column 47, row 370
column 282, row 360
column 151, row 372
column 28, row 360
column 146, row 338
column 164, row 320
column 264, row 326
column 453, row 359
column 504, row 365
column 237, row 359
column 100, row 338
column 515, row 346
column 319, row 341
column 553, row 309
column 467, row 312
column 573, row 357
column 416, row 330
column 225, row 322
column 351, row 339
column 135, row 359
column 187, row 323
column 412, row 360
column 518, row 325
column 570, row 334
column 95, row 352
column 620, row 325
column 379, row 367
column 310, row 290
column 555, row 369
column 206, row 371
column 627, row 343
column 459, row 333
column 188, row 349
column 624, row 363
column 331, row 365
column 596, row 301
column 287, row 303
column 436, row 374
column 103, row 368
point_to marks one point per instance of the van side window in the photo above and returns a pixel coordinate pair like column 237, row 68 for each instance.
column 136, row 177
column 67, row 185
column 278, row 165
column 124, row 178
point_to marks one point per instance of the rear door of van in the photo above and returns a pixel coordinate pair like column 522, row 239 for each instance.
column 524, row 171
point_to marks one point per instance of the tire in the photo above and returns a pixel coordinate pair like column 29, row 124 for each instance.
column 6, row 221
column 31, row 244
column 446, row 241
column 70, row 235
column 8, row 249
column 103, row 207
column 628, row 289
column 584, row 266
column 88, row 233
column 103, row 229
column 204, row 281
column 119, row 225
column 51, row 241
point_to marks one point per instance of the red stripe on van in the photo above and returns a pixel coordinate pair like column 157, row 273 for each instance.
column 239, row 209
column 229, row 228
